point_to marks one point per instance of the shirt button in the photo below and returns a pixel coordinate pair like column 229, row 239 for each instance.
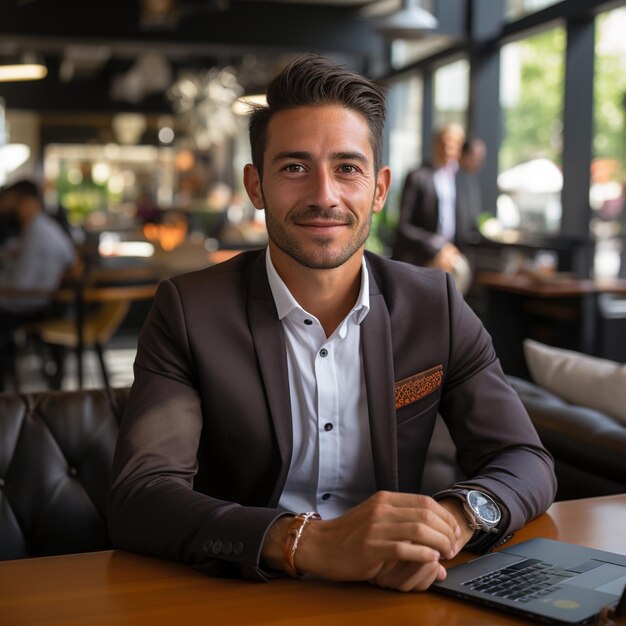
column 308, row 322
column 328, row 427
column 323, row 352
column 326, row 496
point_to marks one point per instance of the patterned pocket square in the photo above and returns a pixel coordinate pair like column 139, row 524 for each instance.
column 418, row 386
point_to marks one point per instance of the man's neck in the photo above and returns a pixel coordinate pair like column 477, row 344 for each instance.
column 327, row 294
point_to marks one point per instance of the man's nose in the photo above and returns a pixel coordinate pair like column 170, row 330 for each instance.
column 323, row 189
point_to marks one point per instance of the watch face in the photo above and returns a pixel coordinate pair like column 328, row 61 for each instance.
column 484, row 507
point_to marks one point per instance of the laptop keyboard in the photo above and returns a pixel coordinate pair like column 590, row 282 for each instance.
column 525, row 581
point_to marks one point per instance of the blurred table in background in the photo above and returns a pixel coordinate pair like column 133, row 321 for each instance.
column 558, row 310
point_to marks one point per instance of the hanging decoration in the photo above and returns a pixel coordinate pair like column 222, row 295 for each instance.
column 203, row 101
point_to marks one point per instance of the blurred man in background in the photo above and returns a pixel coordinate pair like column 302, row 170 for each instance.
column 427, row 221
column 34, row 255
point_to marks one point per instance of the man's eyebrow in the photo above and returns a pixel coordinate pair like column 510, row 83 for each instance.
column 287, row 154
column 335, row 156
column 349, row 156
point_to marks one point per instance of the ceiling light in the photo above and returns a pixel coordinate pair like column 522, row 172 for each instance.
column 12, row 155
column 409, row 22
column 27, row 66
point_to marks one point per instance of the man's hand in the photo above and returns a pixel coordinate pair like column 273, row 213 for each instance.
column 393, row 540
column 446, row 257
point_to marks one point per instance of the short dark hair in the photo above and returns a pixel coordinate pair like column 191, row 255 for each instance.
column 24, row 188
column 312, row 80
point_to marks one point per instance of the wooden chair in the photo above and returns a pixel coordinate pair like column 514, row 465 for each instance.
column 99, row 305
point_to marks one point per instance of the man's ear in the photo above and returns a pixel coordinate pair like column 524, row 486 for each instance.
column 383, row 182
column 252, row 183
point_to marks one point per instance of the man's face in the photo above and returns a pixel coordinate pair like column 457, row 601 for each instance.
column 448, row 146
column 319, row 189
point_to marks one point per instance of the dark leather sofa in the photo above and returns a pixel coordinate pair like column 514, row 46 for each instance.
column 589, row 447
column 56, row 450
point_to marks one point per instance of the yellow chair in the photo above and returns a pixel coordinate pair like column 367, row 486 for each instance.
column 99, row 305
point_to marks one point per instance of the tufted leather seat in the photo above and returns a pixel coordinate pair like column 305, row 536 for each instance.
column 589, row 447
column 56, row 451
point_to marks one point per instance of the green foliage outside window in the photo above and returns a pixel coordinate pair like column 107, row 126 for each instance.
column 533, row 123
column 609, row 140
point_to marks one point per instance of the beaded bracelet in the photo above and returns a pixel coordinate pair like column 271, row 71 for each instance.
column 293, row 538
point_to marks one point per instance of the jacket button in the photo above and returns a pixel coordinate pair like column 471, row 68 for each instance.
column 228, row 548
column 217, row 547
column 207, row 545
column 238, row 549
column 1, row 483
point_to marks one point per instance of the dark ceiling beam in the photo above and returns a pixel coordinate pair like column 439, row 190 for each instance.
column 80, row 95
column 243, row 26
column 208, row 39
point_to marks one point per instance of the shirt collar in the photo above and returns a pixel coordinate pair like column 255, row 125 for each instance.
column 286, row 303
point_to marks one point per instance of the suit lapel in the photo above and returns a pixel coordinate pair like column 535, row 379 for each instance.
column 379, row 378
column 269, row 342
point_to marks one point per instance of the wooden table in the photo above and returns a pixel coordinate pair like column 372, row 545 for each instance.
column 558, row 310
column 118, row 588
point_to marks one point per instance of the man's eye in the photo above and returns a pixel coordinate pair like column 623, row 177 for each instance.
column 294, row 167
column 348, row 169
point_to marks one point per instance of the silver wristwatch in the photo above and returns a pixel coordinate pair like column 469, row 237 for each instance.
column 481, row 510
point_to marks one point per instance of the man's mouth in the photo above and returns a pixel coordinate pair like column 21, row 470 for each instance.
column 325, row 220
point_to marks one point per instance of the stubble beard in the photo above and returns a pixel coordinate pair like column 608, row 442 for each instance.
column 322, row 257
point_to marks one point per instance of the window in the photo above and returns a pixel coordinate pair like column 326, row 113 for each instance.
column 531, row 96
column 404, row 106
column 516, row 9
column 608, row 167
column 451, row 93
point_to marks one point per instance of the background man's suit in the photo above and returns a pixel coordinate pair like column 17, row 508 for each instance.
column 417, row 237
column 211, row 368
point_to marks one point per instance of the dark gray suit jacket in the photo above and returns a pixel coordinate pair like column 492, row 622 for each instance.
column 205, row 444
column 417, row 240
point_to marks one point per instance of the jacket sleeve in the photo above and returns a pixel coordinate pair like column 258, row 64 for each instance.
column 412, row 202
column 498, row 446
column 153, row 507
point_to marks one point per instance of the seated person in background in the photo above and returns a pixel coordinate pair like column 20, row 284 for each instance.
column 428, row 222
column 34, row 259
column 284, row 400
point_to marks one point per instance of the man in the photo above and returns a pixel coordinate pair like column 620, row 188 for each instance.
column 305, row 379
column 427, row 230
column 468, row 195
column 33, row 259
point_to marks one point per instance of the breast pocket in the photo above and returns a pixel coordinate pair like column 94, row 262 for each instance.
column 418, row 394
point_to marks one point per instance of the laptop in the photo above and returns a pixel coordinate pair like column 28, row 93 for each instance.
column 541, row 579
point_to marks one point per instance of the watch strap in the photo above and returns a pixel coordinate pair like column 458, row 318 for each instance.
column 482, row 541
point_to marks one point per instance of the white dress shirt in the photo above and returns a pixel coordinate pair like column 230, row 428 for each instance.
column 332, row 468
column 45, row 252
column 445, row 185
